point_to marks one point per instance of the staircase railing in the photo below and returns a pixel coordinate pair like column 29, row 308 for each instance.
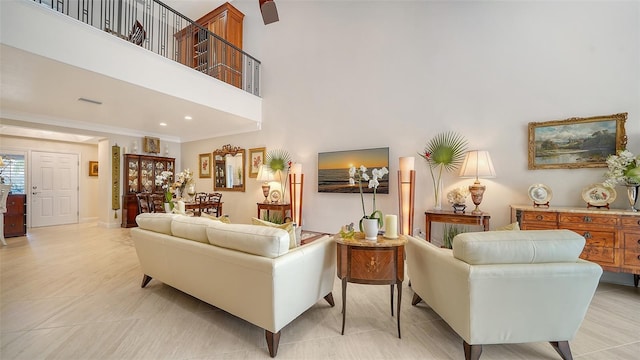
column 159, row 28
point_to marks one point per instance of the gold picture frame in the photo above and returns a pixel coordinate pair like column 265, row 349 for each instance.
column 204, row 166
column 256, row 159
column 576, row 142
column 93, row 168
column 151, row 145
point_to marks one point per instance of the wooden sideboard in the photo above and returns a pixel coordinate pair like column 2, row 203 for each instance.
column 612, row 236
column 15, row 219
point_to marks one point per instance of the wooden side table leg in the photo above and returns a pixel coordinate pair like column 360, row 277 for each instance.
column 391, row 286
column 344, row 302
column 399, row 285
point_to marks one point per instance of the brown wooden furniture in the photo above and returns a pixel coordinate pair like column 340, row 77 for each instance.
column 454, row 218
column 197, row 49
column 283, row 209
column 15, row 219
column 612, row 236
column 378, row 262
column 139, row 175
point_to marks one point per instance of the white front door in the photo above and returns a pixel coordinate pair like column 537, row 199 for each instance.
column 54, row 189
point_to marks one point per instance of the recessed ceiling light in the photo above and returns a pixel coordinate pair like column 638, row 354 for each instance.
column 188, row 117
column 163, row 124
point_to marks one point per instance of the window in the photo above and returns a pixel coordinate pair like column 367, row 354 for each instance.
column 13, row 172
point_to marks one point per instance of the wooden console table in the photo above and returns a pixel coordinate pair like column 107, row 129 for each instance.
column 278, row 208
column 454, row 218
column 378, row 262
column 612, row 236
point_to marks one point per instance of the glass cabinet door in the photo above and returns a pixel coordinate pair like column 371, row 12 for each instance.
column 147, row 175
column 133, row 175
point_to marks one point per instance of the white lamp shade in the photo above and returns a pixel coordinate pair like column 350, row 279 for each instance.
column 406, row 164
column 477, row 164
column 265, row 174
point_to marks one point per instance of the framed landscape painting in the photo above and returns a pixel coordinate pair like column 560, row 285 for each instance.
column 204, row 161
column 576, row 142
column 333, row 170
column 256, row 159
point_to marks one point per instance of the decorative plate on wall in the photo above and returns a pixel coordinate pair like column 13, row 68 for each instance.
column 598, row 195
column 540, row 194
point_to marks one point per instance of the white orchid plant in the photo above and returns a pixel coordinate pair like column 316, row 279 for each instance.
column 624, row 169
column 358, row 175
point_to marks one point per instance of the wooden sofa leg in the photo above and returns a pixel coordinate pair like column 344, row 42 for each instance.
column 416, row 299
column 145, row 280
column 562, row 348
column 273, row 340
column 471, row 352
column 329, row 298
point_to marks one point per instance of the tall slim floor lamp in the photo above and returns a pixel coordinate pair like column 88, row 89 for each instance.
column 406, row 194
column 296, row 180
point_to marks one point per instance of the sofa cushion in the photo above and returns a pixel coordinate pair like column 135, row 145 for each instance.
column 156, row 222
column 512, row 226
column 518, row 247
column 258, row 240
column 191, row 228
column 288, row 227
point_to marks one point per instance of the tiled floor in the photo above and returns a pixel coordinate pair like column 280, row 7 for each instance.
column 73, row 292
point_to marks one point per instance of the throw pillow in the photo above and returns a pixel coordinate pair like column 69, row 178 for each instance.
column 513, row 226
column 224, row 219
column 288, row 227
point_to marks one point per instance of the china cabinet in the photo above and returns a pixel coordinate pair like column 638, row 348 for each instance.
column 612, row 236
column 139, row 172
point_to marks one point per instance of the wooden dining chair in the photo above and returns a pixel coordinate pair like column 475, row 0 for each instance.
column 157, row 203
column 143, row 202
column 201, row 199
column 214, row 204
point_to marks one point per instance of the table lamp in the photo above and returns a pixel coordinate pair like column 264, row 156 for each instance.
column 265, row 175
column 477, row 163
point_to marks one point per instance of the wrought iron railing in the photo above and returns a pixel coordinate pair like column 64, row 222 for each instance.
column 158, row 28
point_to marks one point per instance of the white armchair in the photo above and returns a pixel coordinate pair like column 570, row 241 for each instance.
column 501, row 287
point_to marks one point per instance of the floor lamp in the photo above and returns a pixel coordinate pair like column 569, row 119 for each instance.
column 406, row 194
column 296, row 180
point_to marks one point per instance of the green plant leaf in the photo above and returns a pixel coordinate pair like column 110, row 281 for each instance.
column 277, row 160
column 446, row 149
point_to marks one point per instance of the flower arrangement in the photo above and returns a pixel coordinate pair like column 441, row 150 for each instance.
column 164, row 179
column 360, row 175
column 624, row 168
column 444, row 152
column 458, row 195
column 183, row 178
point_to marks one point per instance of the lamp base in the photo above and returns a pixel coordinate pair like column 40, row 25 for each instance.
column 265, row 192
column 477, row 191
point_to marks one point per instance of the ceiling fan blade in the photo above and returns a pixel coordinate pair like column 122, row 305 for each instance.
column 269, row 11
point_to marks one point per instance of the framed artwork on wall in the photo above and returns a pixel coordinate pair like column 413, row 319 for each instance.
column 576, row 142
column 93, row 168
column 256, row 159
column 151, row 145
column 204, row 165
column 333, row 169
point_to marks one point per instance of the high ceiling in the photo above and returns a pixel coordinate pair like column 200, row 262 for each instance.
column 45, row 93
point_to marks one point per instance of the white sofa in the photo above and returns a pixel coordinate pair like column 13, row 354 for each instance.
column 502, row 287
column 246, row 270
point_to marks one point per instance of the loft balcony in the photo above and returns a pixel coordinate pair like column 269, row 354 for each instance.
column 144, row 61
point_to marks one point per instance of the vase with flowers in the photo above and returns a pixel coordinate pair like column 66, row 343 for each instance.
column 164, row 180
column 624, row 169
column 369, row 223
column 444, row 152
column 458, row 198
column 183, row 179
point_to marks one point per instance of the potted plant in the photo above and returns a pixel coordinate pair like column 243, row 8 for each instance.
column 450, row 231
column 444, row 152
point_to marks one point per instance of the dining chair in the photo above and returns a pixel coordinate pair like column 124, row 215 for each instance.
column 143, row 202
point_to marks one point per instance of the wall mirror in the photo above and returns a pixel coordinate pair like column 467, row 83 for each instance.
column 228, row 169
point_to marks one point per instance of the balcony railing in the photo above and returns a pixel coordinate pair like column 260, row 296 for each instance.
column 158, row 28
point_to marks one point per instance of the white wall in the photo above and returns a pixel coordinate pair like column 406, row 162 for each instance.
column 346, row 75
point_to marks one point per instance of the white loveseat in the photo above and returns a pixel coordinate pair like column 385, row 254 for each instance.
column 247, row 270
column 501, row 287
